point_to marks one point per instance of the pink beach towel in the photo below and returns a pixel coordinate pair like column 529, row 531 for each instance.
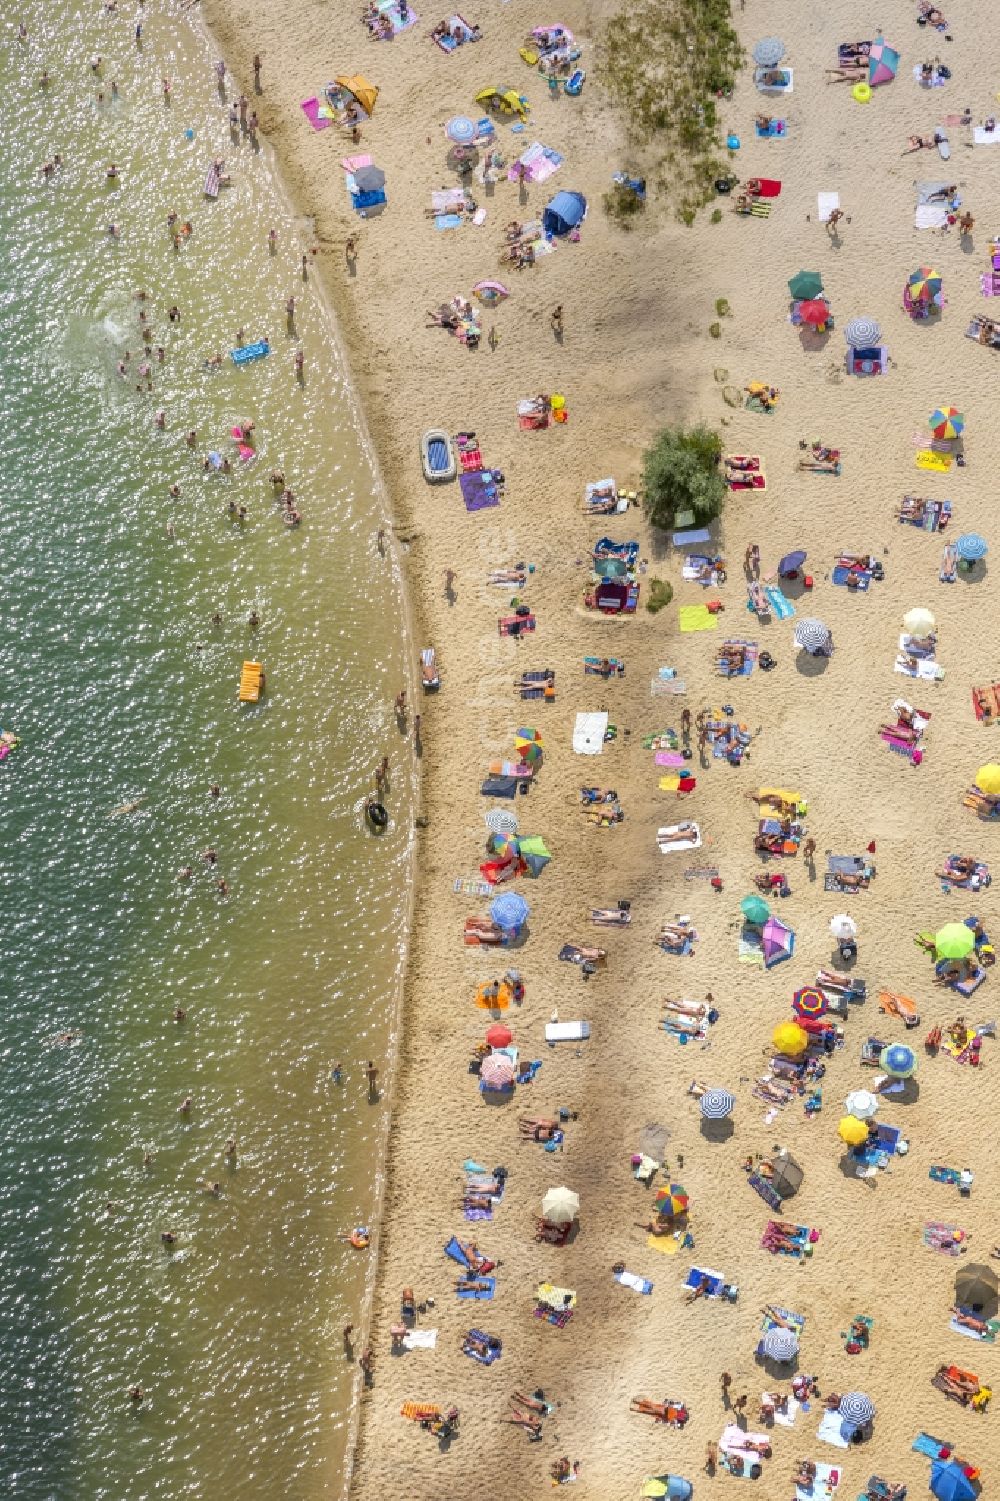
column 311, row 109
column 352, row 163
column 669, row 758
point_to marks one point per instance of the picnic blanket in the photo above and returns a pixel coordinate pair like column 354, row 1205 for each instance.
column 480, row 489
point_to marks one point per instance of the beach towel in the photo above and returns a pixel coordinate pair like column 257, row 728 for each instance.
column 983, row 137
column 947, row 1240
column 420, row 1339
column 781, row 607
column 930, row 216
column 986, row 1335
column 930, row 1447
column 937, row 463
column 698, row 1275
column 696, row 618
column 637, row 1284
column 318, row 115
column 667, row 1245
column 927, row 671
column 492, row 1353
column 782, row 84
column 479, row 489
column 482, row 1294
column 861, row 580
column 773, row 130
column 827, row 1480
column 390, row 8
column 825, row 205
column 831, row 1430
column 539, row 163
column 588, row 734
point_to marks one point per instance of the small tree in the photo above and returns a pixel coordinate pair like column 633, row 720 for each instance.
column 680, row 472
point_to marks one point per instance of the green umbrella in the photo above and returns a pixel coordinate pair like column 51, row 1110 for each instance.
column 954, row 941
column 755, row 910
column 806, row 284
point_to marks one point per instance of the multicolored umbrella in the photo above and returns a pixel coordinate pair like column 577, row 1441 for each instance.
column 672, row 1200
column 883, row 61
column 946, row 422
column 814, row 311
column 970, row 547
column 863, row 333
column 924, row 284
column 810, row 1001
column 780, row 1344
column 509, row 911
column 954, row 940
column 768, row 52
column 855, row 1407
column 717, row 1104
column 461, row 129
column 898, row 1060
column 497, row 1072
column 805, row 284
column 777, row 942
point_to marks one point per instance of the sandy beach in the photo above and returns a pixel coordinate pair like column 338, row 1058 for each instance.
column 634, row 354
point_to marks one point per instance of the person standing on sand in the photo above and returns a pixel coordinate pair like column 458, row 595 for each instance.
column 725, row 1382
column 556, row 320
column 372, row 1073
column 351, row 251
column 256, row 74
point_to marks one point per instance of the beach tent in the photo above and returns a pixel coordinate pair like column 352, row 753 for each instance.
column 948, row 1482
column 564, row 212
column 667, row 1488
column 777, row 942
column 360, row 89
column 503, row 99
column 976, row 1287
column 883, row 61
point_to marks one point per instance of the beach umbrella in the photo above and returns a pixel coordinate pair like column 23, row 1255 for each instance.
column 946, row 422
column 805, row 284
column 855, row 1407
column 369, row 179
column 970, row 547
column 667, row 1488
column 791, row 563
column 898, row 1060
column 862, row 333
column 843, row 928
column 671, row 1200
column 528, row 733
column 919, row 621
column 812, row 635
column 810, row 1001
column 755, row 910
column 769, row 52
column 954, row 940
column 561, row 1206
column 717, row 1104
column 499, row 821
column 490, row 292
column 948, row 1482
column 780, row 1344
column 853, row 1131
column 790, row 1039
column 924, row 283
column 497, row 1071
column 499, row 1036
column 786, row 1175
column 988, row 779
column 814, row 311
column 861, row 1103
column 883, row 61
column 509, row 911
column 776, row 941
column 535, row 854
column 976, row 1286
column 461, row 129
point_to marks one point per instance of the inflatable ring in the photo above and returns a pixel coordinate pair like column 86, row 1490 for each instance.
column 862, row 92
column 359, row 1237
column 377, row 815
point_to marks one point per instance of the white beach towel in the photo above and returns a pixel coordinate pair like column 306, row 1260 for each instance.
column 588, row 734
column 825, row 205
column 787, row 1418
column 637, row 1284
column 983, row 137
column 566, row 1031
column 828, row 1477
column 930, row 216
column 831, row 1430
column 667, row 846
column 929, row 671
column 420, row 1339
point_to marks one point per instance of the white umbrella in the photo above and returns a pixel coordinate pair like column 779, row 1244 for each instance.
column 561, row 1206
column 843, row 927
column 918, row 621
column 862, row 1104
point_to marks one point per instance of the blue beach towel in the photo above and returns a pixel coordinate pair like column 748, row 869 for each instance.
column 482, row 1294
column 781, row 607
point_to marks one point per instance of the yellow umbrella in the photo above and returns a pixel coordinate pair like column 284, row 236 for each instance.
column 853, row 1131
column 988, row 779
column 791, row 1039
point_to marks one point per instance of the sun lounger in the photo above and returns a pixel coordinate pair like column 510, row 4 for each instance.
column 566, row 1031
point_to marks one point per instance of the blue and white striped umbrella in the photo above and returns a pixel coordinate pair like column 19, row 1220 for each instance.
column 461, row 130
column 769, row 52
column 812, row 635
column 863, row 333
column 509, row 910
column 780, row 1344
column 855, row 1407
column 716, row 1104
column 970, row 547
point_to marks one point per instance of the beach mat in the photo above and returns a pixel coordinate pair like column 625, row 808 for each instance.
column 696, row 618
column 311, row 109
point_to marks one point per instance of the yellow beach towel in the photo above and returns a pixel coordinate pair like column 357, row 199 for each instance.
column 665, row 1244
column 940, row 463
column 556, row 1297
column 696, row 618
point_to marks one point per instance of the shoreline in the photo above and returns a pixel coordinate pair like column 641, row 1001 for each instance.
column 636, row 354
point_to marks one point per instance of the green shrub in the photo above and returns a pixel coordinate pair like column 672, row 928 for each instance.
column 715, row 330
column 660, row 595
column 680, row 472
column 722, row 307
column 716, row 216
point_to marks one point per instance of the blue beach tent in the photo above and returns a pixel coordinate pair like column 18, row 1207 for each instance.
column 563, row 213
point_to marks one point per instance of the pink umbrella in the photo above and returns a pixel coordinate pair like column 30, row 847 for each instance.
column 883, row 61
column 497, row 1072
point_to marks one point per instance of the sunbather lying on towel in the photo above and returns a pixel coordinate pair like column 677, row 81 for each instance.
column 475, row 1343
column 531, row 1128
column 531, row 1425
column 958, row 868
column 697, row 1009
column 673, row 1413
column 679, row 835
column 969, row 1320
column 960, row 1386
